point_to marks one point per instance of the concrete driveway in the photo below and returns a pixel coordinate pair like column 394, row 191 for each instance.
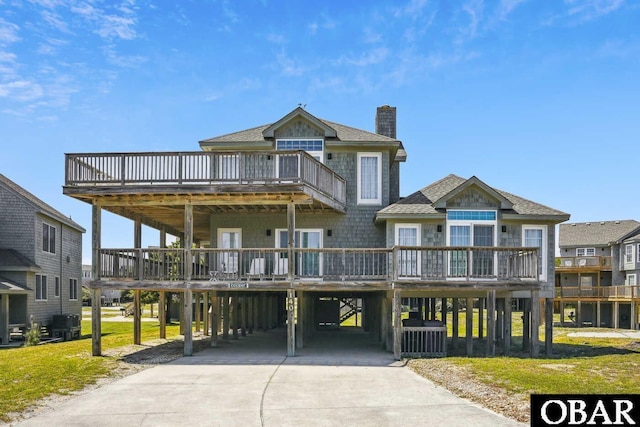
column 338, row 379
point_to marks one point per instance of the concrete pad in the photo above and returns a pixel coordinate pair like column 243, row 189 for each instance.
column 338, row 379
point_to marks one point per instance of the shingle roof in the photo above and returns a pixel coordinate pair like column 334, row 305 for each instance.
column 421, row 202
column 39, row 204
column 344, row 133
column 599, row 233
column 10, row 287
column 14, row 259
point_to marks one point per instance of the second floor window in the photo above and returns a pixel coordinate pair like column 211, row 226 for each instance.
column 48, row 238
column 628, row 253
column 585, row 251
column 369, row 178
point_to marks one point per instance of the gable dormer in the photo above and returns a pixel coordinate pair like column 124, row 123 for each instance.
column 473, row 194
column 299, row 124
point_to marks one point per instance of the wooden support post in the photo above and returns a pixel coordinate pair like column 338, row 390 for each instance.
column 244, row 314
column 96, row 296
column 507, row 323
column 291, row 327
column 579, row 314
column 188, row 271
column 206, row 318
column 548, row 326
column 235, row 318
column 433, row 310
column 469, row 332
column 181, row 311
column 264, row 306
column 491, row 323
column 291, row 228
column 443, row 310
column 384, row 323
column 256, row 312
column 162, row 313
column 499, row 321
column 198, row 306
column 249, row 311
column 397, row 325
column 226, row 319
column 481, row 318
column 96, row 321
column 300, row 319
column 188, row 331
column 526, row 324
column 455, row 311
column 598, row 319
column 137, row 314
column 535, row 323
column 215, row 316
column 616, row 315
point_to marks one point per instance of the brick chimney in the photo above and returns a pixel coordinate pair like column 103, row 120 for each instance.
column 386, row 121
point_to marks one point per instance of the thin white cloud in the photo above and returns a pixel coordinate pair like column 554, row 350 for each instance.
column 8, row 32
column 113, row 26
column 506, row 7
column 278, row 39
column 473, row 10
column 374, row 56
column 588, row 10
column 125, row 61
column 54, row 20
column 413, row 9
column 326, row 23
column 288, row 66
column 21, row 90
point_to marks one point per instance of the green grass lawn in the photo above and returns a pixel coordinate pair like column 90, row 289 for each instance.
column 28, row 374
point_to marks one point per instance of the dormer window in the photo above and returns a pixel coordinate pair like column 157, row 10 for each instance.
column 312, row 146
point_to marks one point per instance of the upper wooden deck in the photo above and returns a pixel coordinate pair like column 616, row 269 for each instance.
column 583, row 264
column 153, row 187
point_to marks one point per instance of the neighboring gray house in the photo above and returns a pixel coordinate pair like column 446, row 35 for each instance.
column 598, row 271
column 284, row 223
column 40, row 261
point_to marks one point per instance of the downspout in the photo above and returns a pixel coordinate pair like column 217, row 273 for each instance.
column 61, row 272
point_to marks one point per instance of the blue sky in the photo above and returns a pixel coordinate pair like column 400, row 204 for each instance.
column 538, row 98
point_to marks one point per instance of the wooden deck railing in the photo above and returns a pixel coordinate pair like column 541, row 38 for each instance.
column 336, row 265
column 602, row 292
column 583, row 262
column 202, row 168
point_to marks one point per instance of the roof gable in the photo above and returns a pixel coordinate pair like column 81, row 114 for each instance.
column 481, row 189
column 424, row 203
column 39, row 205
column 299, row 113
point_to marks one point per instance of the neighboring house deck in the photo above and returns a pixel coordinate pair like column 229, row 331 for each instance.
column 596, row 273
column 290, row 216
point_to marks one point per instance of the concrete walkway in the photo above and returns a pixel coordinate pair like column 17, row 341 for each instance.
column 338, row 379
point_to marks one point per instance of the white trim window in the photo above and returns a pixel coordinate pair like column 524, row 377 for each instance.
column 408, row 260
column 631, row 279
column 628, row 254
column 536, row 236
column 41, row 287
column 48, row 238
column 73, row 289
column 585, row 251
column 472, row 228
column 638, row 259
column 369, row 183
column 56, row 287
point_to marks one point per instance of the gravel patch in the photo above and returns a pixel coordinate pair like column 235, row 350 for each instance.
column 460, row 381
